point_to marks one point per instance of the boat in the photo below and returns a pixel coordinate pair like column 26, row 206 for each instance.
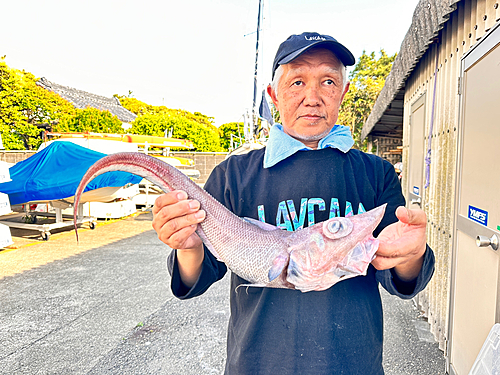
column 152, row 141
column 52, row 176
column 5, row 236
column 109, row 143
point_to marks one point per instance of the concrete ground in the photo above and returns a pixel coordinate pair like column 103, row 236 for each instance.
column 104, row 307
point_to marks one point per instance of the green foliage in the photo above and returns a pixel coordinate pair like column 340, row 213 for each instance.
column 367, row 80
column 235, row 128
column 140, row 108
column 23, row 106
column 91, row 120
column 202, row 136
column 26, row 108
column 276, row 114
column 134, row 105
column 154, row 120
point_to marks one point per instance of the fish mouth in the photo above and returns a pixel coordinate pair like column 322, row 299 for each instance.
column 303, row 281
column 358, row 259
column 355, row 263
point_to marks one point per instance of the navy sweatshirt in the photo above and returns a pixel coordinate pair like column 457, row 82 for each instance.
column 280, row 331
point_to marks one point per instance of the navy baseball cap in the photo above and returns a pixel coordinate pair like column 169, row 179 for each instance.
column 295, row 45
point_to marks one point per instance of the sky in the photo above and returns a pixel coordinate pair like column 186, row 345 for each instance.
column 196, row 55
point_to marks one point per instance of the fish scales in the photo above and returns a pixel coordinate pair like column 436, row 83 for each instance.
column 314, row 258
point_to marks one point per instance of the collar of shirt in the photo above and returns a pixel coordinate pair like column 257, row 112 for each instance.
column 280, row 145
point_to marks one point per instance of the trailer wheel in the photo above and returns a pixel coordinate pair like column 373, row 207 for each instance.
column 45, row 236
column 92, row 225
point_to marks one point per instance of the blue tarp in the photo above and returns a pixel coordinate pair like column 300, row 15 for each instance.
column 55, row 172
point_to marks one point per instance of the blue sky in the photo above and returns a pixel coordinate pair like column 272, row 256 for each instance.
column 196, row 55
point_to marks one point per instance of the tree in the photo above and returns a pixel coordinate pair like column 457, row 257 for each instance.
column 367, row 80
column 26, row 108
column 23, row 106
column 140, row 108
column 234, row 128
column 91, row 120
column 275, row 113
column 155, row 120
column 134, row 105
column 203, row 137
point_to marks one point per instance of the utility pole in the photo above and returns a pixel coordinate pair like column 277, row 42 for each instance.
column 254, row 106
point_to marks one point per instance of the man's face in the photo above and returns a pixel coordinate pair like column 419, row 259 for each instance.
column 309, row 95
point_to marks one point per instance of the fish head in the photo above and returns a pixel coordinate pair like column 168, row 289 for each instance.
column 335, row 249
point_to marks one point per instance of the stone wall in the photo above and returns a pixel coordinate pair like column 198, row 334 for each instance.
column 15, row 156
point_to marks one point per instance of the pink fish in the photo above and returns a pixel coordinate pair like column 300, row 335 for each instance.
column 314, row 258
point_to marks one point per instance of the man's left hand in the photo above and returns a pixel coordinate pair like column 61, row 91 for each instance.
column 402, row 244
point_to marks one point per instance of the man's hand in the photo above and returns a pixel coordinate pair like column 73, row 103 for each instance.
column 175, row 219
column 402, row 244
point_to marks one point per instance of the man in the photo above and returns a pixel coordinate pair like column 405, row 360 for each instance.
column 306, row 166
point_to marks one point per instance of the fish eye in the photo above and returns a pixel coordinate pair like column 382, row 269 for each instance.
column 334, row 226
column 337, row 228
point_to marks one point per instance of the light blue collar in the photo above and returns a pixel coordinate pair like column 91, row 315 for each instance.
column 280, row 145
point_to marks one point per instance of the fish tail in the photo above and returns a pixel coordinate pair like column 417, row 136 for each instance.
column 148, row 167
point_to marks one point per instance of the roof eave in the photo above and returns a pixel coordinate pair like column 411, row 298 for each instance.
column 429, row 18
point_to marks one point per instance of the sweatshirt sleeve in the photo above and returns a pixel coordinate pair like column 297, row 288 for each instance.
column 212, row 270
column 406, row 290
column 392, row 195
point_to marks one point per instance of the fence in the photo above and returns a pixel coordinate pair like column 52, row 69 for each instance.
column 204, row 162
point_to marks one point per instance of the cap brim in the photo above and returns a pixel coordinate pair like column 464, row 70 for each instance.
column 338, row 49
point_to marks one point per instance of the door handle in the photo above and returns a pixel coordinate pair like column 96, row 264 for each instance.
column 416, row 201
column 483, row 241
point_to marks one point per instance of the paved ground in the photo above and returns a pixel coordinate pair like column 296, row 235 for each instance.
column 104, row 307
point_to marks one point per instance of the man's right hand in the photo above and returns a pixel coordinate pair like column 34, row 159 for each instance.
column 175, row 219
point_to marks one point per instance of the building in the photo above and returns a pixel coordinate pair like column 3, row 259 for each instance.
column 82, row 99
column 441, row 102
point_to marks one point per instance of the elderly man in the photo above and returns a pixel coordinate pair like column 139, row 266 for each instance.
column 308, row 166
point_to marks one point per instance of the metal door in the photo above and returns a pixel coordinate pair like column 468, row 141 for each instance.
column 417, row 151
column 475, row 274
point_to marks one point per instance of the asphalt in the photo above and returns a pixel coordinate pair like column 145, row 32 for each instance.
column 106, row 308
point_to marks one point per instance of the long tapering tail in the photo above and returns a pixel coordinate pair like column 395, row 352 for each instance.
column 158, row 172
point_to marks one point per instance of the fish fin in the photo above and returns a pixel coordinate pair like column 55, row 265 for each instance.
column 278, row 266
column 207, row 243
column 260, row 224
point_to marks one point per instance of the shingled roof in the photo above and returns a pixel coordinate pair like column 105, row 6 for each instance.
column 428, row 19
column 82, row 99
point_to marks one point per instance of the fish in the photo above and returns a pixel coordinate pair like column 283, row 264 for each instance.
column 311, row 259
